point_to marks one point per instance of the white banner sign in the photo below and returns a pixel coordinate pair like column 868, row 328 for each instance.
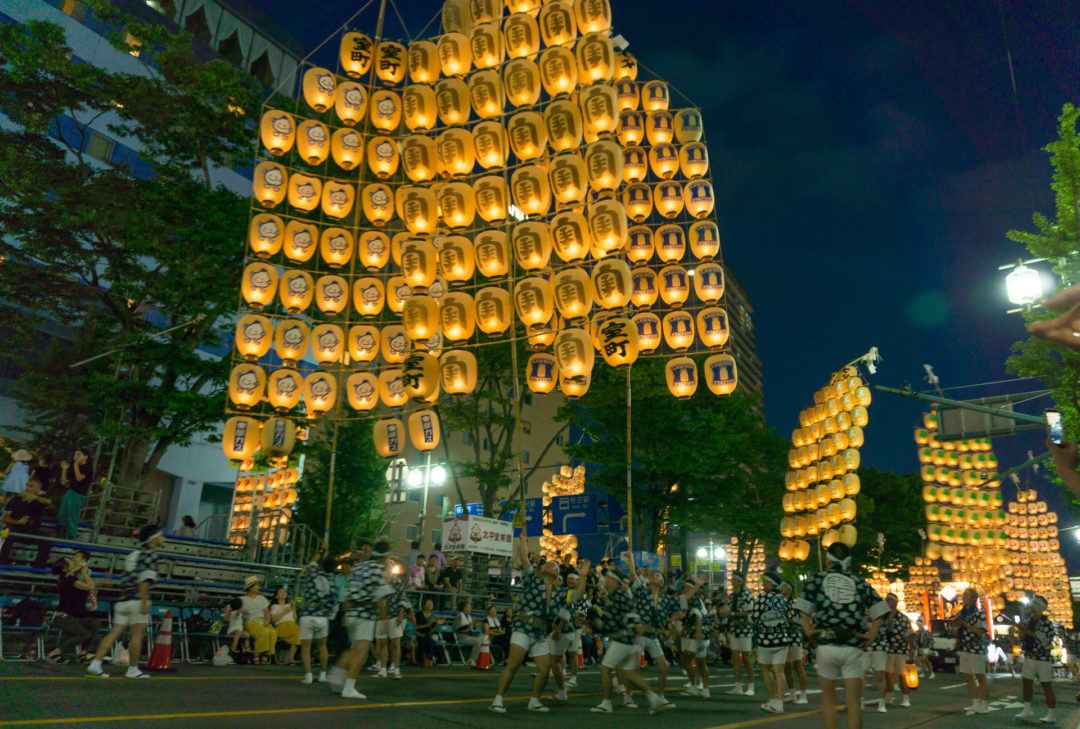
column 479, row 534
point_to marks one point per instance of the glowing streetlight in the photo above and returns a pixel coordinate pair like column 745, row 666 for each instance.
column 948, row 593
column 703, row 553
column 1023, row 285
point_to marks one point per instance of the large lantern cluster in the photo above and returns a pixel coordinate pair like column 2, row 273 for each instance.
column 923, row 582
column 511, row 178
column 1034, row 561
column 569, row 481
column 754, row 569
column 266, row 497
column 822, row 481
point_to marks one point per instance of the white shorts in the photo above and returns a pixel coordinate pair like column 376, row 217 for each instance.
column 878, row 660
column 795, row 653
column 314, row 628
column 650, row 646
column 534, row 647
column 575, row 642
column 740, row 643
column 840, row 661
column 924, row 651
column 360, row 629
column 776, row 656
column 697, row 648
column 896, row 664
column 1041, row 671
column 389, row 629
column 971, row 662
column 236, row 623
column 622, row 655
column 128, row 612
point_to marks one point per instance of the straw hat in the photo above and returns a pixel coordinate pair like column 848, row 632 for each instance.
column 22, row 455
column 251, row 580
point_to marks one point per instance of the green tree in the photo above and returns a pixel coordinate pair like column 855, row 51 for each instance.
column 889, row 504
column 112, row 251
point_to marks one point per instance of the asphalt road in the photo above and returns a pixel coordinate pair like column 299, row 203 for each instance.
column 204, row 696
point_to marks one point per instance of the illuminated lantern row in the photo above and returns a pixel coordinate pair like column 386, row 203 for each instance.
column 1034, row 562
column 925, row 579
column 755, row 567
column 271, row 495
column 823, row 481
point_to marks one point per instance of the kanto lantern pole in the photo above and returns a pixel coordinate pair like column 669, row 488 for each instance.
column 629, row 473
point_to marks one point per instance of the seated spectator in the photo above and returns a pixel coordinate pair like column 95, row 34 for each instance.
column 187, row 527
column 431, row 576
column 22, row 515
column 78, row 599
column 283, row 616
column 496, row 632
column 437, row 553
column 453, row 580
column 418, row 573
column 234, row 620
column 257, row 623
column 426, row 625
column 18, row 472
column 465, row 631
column 43, row 474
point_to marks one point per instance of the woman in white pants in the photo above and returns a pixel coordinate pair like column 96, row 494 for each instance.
column 464, row 632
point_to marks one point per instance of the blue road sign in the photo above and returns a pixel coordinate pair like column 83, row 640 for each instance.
column 577, row 514
column 534, row 515
column 474, row 509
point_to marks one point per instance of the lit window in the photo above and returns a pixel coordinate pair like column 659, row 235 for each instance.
column 134, row 43
column 100, row 147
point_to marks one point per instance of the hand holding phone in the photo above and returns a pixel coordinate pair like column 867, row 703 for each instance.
column 1055, row 428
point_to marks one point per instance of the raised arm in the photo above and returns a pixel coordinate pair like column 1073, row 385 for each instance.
column 630, row 566
column 583, row 573
column 523, row 550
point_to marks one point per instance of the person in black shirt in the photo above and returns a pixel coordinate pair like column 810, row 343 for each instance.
column 77, row 624
column 452, row 579
column 43, row 474
column 76, row 478
column 23, row 515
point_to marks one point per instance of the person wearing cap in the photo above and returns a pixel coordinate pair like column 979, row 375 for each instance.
column 770, row 621
column 694, row 643
column 1036, row 640
column 832, row 607
column 900, row 643
column 132, row 610
column 971, row 642
column 18, row 472
column 366, row 603
column 741, row 634
column 257, row 620
column 317, row 608
column 794, row 669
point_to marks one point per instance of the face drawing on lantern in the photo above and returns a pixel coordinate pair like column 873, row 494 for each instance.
column 326, row 83
column 282, row 126
column 396, row 386
column 305, row 191
column 385, row 107
column 370, row 294
column 293, row 337
column 436, row 289
column 364, row 391
column 433, row 342
column 398, row 344
column 260, row 279
column 333, row 291
column 316, row 135
column 403, row 292
column 320, row 388
column 354, row 97
column 365, row 343
column 254, row 332
column 286, row 385
column 350, row 141
column 379, row 199
column 376, row 247
column 328, row 341
column 247, row 382
column 339, row 197
column 273, row 178
column 338, row 243
column 298, row 286
column 268, row 230
column 302, row 240
column 384, row 151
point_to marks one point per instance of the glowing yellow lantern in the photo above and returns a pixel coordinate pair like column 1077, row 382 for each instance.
column 599, row 110
column 604, row 161
column 637, row 201
column 618, row 341
column 848, row 535
column 327, row 344
column 670, row 243
column 418, row 157
column 490, row 144
column 246, row 385
column 419, row 264
column 664, row 160
column 386, row 110
column 629, row 100
column 611, row 283
column 492, row 253
column 704, row 239
column 300, row 241
column 455, row 54
column 421, row 317
column 648, row 327
column 521, row 78
column 674, row 289
column 265, row 232
column 574, row 352
column 541, row 336
column 296, row 291
column 350, row 102
column 487, row 45
column 331, row 294
column 698, row 196
column 419, row 107
column 678, row 329
column 682, row 377
column 313, row 141
column 492, row 195
column 668, row 198
column 631, row 129
column 395, row 343
column 532, row 244
column 570, row 236
column 557, row 24
column 420, row 374
column 595, row 58
column 457, row 204
column 319, row 86
column 277, row 130
column 291, row 341
column 389, row 437
column 253, row 336
column 390, row 62
column 493, row 310
column 418, row 207
column 573, row 295
column 452, row 101
column 659, row 127
column 422, row 62
column 636, row 167
column 592, row 16
column 563, row 123
column 530, row 189
column 533, row 300
column 709, row 282
column 374, row 249
column 712, row 324
column 304, row 192
column 486, row 94
column 268, row 183
column 574, row 388
column 457, row 372
column 626, row 66
column 542, row 372
column 522, row 35
column 363, row 343
column 456, row 258
column 694, row 160
column 362, row 390
column 377, row 202
column 241, row 438
column 523, row 6
column 457, row 316
column 688, row 126
column 337, row 198
column 455, row 152
column 356, row 53
column 568, row 180
column 558, row 71
column 644, row 287
column 424, row 430
column 527, row 134
column 654, row 96
column 347, row 148
column 607, row 226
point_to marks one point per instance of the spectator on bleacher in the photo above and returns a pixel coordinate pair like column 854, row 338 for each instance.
column 426, row 625
column 234, row 619
column 431, row 575
column 320, row 603
column 496, row 631
column 465, row 631
column 439, row 556
column 418, row 573
column 187, row 526
column 132, row 610
column 78, row 598
column 283, row 617
column 414, row 552
column 75, row 477
column 42, row 472
column 453, row 580
column 257, row 623
column 23, row 515
column 18, row 472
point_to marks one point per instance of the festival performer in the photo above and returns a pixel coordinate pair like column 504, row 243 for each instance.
column 622, row 624
column 656, row 609
column 832, row 607
column 533, row 621
column 388, row 632
column 924, row 644
column 877, row 658
column 566, row 638
column 317, row 608
column 1036, row 639
column 366, row 602
column 694, row 643
column 770, row 621
column 741, row 634
column 971, row 643
column 794, row 670
column 578, row 603
column 900, row 640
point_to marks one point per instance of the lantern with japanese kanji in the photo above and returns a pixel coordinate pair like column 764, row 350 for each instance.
column 493, row 310
column 457, row 370
column 389, row 437
column 617, row 341
column 241, row 438
column 457, row 316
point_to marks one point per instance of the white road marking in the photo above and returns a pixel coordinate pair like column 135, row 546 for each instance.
column 952, row 686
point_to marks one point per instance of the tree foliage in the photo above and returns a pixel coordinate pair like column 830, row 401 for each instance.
column 891, row 505
column 108, row 253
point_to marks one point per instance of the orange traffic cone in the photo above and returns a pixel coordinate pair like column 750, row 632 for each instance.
column 483, row 658
column 641, row 659
column 580, row 660
column 162, row 653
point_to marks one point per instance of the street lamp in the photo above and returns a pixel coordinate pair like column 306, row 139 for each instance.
column 1023, row 285
column 424, row 477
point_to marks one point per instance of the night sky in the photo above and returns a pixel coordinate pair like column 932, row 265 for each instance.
column 868, row 160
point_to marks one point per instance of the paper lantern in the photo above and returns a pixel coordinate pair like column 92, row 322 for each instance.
column 604, row 161
column 347, row 148
column 319, row 85
column 490, row 144
column 457, row 204
column 455, row 154
column 265, row 232
column 492, row 253
column 304, row 192
column 389, row 437
column 327, row 344
column 350, row 103
column 457, row 372
column 542, row 373
column 573, row 292
column 456, row 258
column 486, row 43
column 557, row 24
column 382, row 156
column 241, row 438
column 253, row 336
column 455, row 54
column 374, row 249
column 698, row 196
column 644, row 292
column 268, row 184
column 394, row 345
column 422, row 62
column 599, row 110
column 378, row 203
column 533, row 300
column 608, row 227
column 337, row 199
column 712, row 325
column 356, row 53
column 528, row 135
column 542, row 335
column 336, row 247
column 654, row 95
column 452, row 101
column 704, row 239
column 674, row 289
column 595, row 58
column 421, row 375
column 632, row 132
column 637, row 201
column 247, row 382
column 648, row 327
column 570, row 236
column 678, row 330
column 802, row 550
column 386, row 110
column 421, row 317
column 664, row 160
column 491, row 195
column 611, row 283
column 331, row 294
column 721, row 375
column 390, row 62
column 568, row 180
column 668, row 198
column 592, row 16
column 523, row 6
column 639, row 248
column 629, row 99
column 486, row 94
column 659, row 127
column 530, row 189
column 626, row 66
column 694, row 160
column 521, row 79
column 296, row 291
column 424, row 430
column 682, row 378
column 558, row 71
column 709, row 282
column 670, row 243
column 618, row 341
column 419, row 208
column 521, row 35
column 532, row 244
column 493, row 310
column 299, row 244
column 313, row 141
column 363, row 343
column 574, row 352
column 688, row 126
column 848, row 535
column 635, row 168
column 563, row 123
column 291, row 341
column 574, row 387
column 457, row 316
column 277, row 131
column 362, row 391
